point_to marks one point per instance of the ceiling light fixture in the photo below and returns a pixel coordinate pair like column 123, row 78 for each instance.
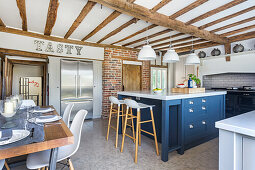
column 192, row 58
column 171, row 56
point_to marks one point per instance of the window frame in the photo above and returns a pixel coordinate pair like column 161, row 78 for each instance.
column 166, row 77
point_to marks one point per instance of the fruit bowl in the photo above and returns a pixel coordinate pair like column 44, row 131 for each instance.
column 157, row 91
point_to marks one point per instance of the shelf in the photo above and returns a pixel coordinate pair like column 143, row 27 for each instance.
column 231, row 55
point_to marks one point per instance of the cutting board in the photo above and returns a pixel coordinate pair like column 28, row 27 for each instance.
column 188, row 90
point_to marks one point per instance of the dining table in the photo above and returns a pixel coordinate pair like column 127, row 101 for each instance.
column 55, row 135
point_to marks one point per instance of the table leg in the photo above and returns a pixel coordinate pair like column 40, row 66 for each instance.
column 165, row 131
column 53, row 158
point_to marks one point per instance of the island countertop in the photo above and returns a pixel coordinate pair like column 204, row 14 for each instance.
column 242, row 124
column 169, row 95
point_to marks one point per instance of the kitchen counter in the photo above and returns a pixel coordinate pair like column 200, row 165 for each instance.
column 169, row 95
column 182, row 120
column 237, row 142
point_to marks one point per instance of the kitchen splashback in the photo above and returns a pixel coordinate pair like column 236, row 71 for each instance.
column 229, row 80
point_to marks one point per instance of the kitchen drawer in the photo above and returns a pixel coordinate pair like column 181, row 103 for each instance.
column 195, row 130
column 193, row 113
column 199, row 101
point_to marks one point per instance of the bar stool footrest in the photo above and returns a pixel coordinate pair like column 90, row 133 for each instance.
column 147, row 132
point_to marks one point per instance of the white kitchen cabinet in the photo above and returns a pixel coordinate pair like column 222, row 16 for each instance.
column 248, row 153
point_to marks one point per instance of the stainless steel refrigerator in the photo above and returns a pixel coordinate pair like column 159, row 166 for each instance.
column 77, row 86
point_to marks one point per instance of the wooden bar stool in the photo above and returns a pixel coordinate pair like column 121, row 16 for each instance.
column 120, row 103
column 138, row 106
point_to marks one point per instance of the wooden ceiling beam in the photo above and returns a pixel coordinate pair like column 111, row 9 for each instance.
column 215, row 11
column 130, row 22
column 187, row 8
column 160, row 5
column 238, row 30
column 2, row 23
column 156, row 18
column 148, row 37
column 58, row 39
column 226, row 18
column 162, row 39
column 242, row 37
column 196, row 47
column 21, row 4
column 233, row 24
column 84, row 12
column 136, row 33
column 109, row 19
column 182, row 44
column 51, row 17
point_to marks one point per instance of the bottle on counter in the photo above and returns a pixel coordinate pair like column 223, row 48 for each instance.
column 190, row 83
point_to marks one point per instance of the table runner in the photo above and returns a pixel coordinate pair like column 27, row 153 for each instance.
column 20, row 119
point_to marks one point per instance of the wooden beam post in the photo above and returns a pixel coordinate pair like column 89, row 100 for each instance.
column 51, row 17
column 22, row 11
column 227, row 51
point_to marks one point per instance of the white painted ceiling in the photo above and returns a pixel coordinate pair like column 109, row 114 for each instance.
column 69, row 10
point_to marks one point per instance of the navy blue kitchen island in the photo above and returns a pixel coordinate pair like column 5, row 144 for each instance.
column 182, row 120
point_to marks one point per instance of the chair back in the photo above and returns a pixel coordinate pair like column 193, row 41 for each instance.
column 67, row 113
column 76, row 127
column 1, row 164
column 131, row 103
column 27, row 103
column 114, row 100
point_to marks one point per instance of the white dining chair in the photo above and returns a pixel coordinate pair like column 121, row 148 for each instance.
column 41, row 159
column 67, row 113
column 2, row 164
column 27, row 103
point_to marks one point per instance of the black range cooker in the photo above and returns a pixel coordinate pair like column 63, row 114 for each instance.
column 239, row 100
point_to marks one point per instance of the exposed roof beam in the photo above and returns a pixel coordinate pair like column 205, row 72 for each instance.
column 136, row 33
column 134, row 20
column 145, row 14
column 22, row 11
column 215, row 11
column 227, row 17
column 182, row 44
column 2, row 23
column 160, row 5
column 84, row 12
column 57, row 39
column 187, row 8
column 241, row 37
column 173, row 42
column 111, row 17
column 51, row 17
column 148, row 37
column 234, row 24
column 238, row 30
column 162, row 39
column 196, row 47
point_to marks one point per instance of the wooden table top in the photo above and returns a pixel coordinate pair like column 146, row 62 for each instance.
column 56, row 135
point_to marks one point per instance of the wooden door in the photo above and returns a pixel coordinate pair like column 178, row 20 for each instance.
column 131, row 77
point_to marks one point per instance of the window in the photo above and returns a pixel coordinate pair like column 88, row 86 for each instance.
column 158, row 78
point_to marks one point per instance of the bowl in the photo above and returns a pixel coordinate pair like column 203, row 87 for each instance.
column 157, row 91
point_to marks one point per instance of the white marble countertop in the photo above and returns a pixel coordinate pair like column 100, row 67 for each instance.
column 170, row 95
column 242, row 124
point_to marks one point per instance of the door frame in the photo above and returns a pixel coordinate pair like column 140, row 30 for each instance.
column 128, row 62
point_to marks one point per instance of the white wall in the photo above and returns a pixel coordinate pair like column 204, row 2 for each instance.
column 97, row 89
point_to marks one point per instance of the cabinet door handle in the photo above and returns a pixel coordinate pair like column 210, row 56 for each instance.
column 191, row 126
column 203, row 108
column 191, row 110
column 203, row 122
column 191, row 102
column 203, row 100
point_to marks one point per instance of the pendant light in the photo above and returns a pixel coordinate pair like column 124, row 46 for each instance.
column 171, row 56
column 147, row 53
column 192, row 58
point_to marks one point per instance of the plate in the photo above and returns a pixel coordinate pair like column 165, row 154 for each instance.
column 37, row 120
column 17, row 135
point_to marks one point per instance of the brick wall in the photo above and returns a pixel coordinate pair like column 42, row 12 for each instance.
column 112, row 74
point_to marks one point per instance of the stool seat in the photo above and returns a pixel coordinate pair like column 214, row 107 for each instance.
column 144, row 106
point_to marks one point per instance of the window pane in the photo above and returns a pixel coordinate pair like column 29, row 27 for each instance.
column 164, row 79
column 158, row 78
column 153, row 79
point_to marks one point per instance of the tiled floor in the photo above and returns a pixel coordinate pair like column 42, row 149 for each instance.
column 96, row 153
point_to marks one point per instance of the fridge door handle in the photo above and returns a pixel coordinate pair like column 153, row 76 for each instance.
column 79, row 78
column 75, row 77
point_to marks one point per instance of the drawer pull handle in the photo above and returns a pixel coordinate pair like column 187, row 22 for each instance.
column 191, row 102
column 203, row 122
column 191, row 110
column 203, row 108
column 191, row 126
column 203, row 100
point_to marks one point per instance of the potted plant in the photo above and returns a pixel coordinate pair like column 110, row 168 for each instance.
column 195, row 79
